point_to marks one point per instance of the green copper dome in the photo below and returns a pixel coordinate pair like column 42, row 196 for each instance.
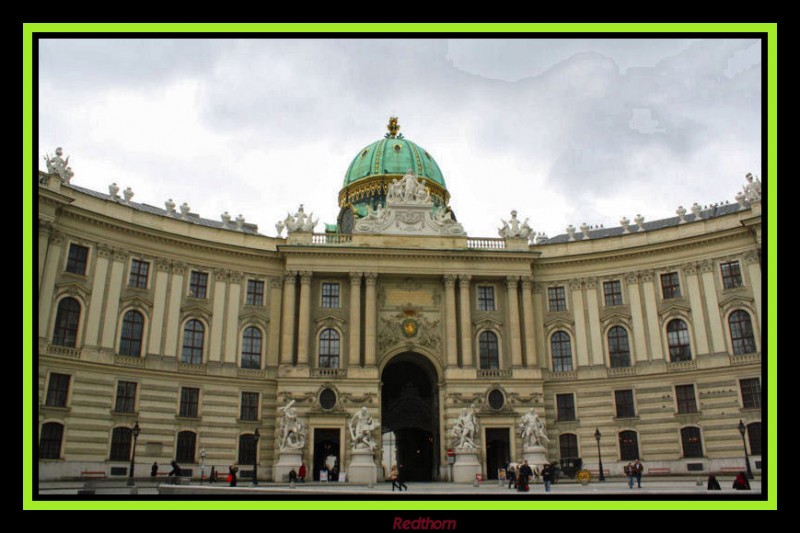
column 393, row 155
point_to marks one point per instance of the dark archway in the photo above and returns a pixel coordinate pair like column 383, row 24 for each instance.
column 410, row 416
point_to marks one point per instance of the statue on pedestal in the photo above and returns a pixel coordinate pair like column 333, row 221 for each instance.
column 464, row 430
column 752, row 189
column 293, row 431
column 361, row 426
column 531, row 429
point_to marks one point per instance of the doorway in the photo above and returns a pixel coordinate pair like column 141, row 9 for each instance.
column 498, row 450
column 326, row 453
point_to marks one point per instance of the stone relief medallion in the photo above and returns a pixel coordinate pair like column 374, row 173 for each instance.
column 410, row 327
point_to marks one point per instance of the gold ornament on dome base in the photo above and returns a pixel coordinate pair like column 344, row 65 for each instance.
column 410, row 327
column 393, row 127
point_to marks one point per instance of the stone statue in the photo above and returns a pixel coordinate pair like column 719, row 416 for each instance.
column 170, row 205
column 465, row 429
column 752, row 189
column 293, row 431
column 422, row 195
column 113, row 189
column 298, row 222
column 531, row 429
column 409, row 187
column 58, row 165
column 128, row 194
column 361, row 426
column 512, row 228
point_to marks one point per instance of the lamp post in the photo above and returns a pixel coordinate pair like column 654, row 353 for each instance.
column 256, row 436
column 136, row 431
column 202, row 465
column 599, row 457
column 742, row 431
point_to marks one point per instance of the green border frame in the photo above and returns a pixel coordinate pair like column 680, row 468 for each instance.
column 29, row 33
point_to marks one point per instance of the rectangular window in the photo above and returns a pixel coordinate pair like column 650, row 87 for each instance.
column 624, row 401
column 670, row 285
column 751, row 393
column 485, row 298
column 139, row 272
column 684, row 394
column 190, row 397
column 57, row 390
column 126, row 397
column 565, row 407
column 330, row 295
column 249, row 406
column 76, row 259
column 613, row 292
column 557, row 298
column 731, row 275
column 255, row 292
column 198, row 283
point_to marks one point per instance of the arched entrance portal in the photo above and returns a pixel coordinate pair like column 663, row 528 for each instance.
column 410, row 416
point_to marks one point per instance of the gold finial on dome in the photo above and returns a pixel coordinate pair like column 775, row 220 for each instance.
column 393, row 127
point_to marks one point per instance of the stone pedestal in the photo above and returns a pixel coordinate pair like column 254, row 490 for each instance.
column 362, row 467
column 535, row 456
column 288, row 460
column 466, row 466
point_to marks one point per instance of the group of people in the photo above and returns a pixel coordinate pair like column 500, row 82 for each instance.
column 397, row 477
column 520, row 477
column 634, row 472
column 299, row 475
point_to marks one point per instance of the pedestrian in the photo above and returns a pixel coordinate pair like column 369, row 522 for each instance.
column 524, row 476
column 512, row 477
column 301, row 474
column 232, row 475
column 638, row 468
column 401, row 478
column 713, row 484
column 212, row 478
column 741, row 483
column 547, row 476
column 629, row 473
column 154, row 470
column 393, row 473
column 292, row 476
column 174, row 473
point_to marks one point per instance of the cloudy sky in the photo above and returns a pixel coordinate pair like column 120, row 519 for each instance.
column 564, row 131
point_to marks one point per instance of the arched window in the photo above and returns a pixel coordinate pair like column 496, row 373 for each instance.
column 67, row 318
column 628, row 446
column 678, row 340
column 121, row 444
column 568, row 446
column 186, row 447
column 251, row 348
column 692, row 442
column 561, row 347
column 130, row 341
column 193, row 336
column 489, row 353
column 618, row 348
column 754, row 436
column 741, row 333
column 329, row 349
column 247, row 449
column 50, row 440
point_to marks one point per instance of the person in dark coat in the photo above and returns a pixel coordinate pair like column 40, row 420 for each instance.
column 524, row 476
column 547, row 476
column 512, row 477
column 301, row 474
column 212, row 478
column 638, row 469
column 401, row 478
column 741, row 483
column 175, row 472
column 713, row 484
column 154, row 470
column 232, row 475
column 292, row 476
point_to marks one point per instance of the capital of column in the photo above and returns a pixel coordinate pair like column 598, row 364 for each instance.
column 753, row 257
column 276, row 283
column 575, row 284
column 632, row 278
column 464, row 278
column 120, row 254
column 355, row 278
column 178, row 267
column 103, row 251
column 235, row 276
column 162, row 265
column 646, row 275
column 706, row 266
column 590, row 283
column 220, row 274
column 689, row 268
column 371, row 278
column 56, row 237
column 511, row 282
column 305, row 277
column 527, row 282
column 449, row 280
column 290, row 277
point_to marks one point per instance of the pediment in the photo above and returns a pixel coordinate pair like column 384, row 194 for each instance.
column 195, row 310
column 73, row 288
column 557, row 322
column 329, row 321
column 735, row 300
column 137, row 301
column 252, row 317
column 487, row 323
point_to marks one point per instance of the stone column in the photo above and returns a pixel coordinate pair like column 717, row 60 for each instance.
column 160, row 284
column 581, row 346
column 94, row 315
column 174, row 309
column 47, row 289
column 513, row 322
column 595, row 333
column 45, row 231
column 712, row 308
column 112, row 301
column 450, row 319
column 527, row 322
column 355, row 319
column 287, row 318
column 370, row 320
column 753, row 261
column 230, row 355
column 304, row 324
column 651, row 316
column 466, row 322
column 640, row 347
column 539, row 292
column 696, row 303
column 217, row 317
column 274, row 340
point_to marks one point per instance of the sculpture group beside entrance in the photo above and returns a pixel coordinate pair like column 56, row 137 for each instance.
column 361, row 426
column 532, row 431
column 293, row 430
column 464, row 430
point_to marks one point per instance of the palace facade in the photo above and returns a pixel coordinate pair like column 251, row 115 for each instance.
column 637, row 341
